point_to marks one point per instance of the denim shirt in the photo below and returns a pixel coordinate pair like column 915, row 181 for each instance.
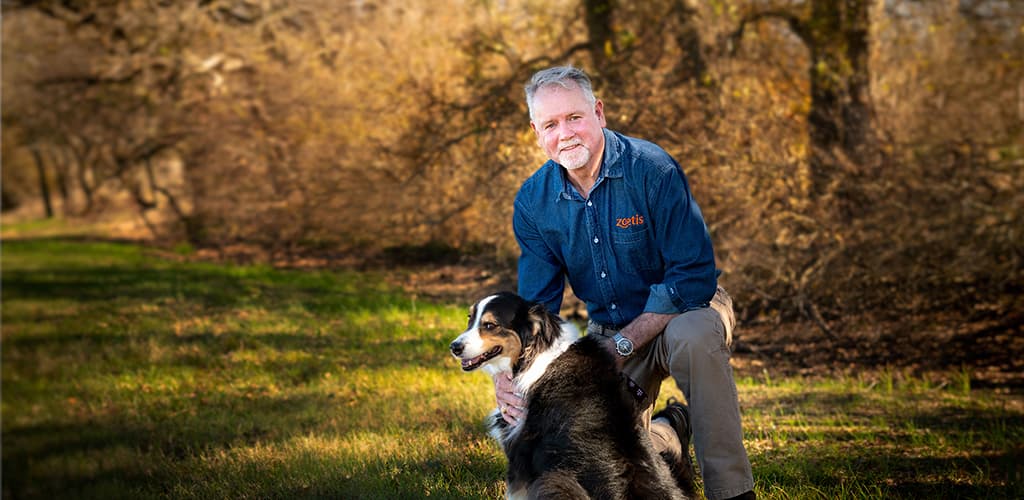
column 637, row 244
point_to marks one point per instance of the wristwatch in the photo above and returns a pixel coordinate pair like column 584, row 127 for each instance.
column 623, row 346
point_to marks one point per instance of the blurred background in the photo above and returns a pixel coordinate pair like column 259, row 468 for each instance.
column 853, row 159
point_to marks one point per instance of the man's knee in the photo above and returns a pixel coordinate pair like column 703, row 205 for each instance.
column 700, row 328
column 722, row 304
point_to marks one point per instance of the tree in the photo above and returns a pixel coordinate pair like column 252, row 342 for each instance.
column 842, row 138
column 44, row 184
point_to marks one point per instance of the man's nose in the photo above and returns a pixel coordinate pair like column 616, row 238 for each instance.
column 565, row 131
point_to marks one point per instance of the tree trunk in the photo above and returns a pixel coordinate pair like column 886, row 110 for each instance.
column 839, row 120
column 691, row 67
column 81, row 156
column 61, row 170
column 599, row 16
column 841, row 133
column 44, row 186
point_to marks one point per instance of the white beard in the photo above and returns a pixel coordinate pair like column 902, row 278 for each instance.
column 577, row 158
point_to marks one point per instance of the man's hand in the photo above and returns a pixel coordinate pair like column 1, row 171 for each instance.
column 512, row 405
column 641, row 331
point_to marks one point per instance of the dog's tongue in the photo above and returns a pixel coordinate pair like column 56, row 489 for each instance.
column 469, row 364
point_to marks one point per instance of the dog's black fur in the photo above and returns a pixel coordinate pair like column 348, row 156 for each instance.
column 582, row 436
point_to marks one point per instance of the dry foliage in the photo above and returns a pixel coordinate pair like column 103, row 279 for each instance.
column 352, row 127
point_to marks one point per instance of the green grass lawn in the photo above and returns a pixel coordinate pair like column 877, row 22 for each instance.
column 128, row 375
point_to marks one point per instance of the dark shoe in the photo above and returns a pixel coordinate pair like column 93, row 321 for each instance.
column 677, row 415
column 681, row 466
column 746, row 496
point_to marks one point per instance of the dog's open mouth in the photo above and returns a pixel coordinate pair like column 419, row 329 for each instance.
column 473, row 364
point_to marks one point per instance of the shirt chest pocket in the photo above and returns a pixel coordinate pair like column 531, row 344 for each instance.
column 634, row 250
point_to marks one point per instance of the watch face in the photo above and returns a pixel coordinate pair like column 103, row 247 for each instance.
column 624, row 347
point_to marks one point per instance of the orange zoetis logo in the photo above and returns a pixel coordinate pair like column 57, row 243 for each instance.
column 626, row 222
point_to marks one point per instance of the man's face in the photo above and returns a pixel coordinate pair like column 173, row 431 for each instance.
column 568, row 127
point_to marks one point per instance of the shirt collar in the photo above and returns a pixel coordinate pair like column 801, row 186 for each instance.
column 610, row 165
column 613, row 147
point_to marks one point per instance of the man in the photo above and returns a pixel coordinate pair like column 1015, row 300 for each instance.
column 615, row 216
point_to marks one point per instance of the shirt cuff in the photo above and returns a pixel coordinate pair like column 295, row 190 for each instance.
column 660, row 301
column 666, row 300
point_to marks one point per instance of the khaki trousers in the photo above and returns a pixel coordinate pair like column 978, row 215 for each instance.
column 694, row 350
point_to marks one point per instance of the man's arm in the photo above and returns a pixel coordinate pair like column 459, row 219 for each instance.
column 684, row 243
column 541, row 274
column 641, row 331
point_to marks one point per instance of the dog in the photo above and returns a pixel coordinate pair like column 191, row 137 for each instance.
column 582, row 436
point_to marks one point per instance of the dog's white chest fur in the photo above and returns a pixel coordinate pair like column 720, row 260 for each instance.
column 528, row 377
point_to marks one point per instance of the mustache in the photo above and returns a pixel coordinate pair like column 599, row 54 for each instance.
column 570, row 144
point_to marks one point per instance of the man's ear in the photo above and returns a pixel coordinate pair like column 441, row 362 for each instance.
column 599, row 111
column 536, row 133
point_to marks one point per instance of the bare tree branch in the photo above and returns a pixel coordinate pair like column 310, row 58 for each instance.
column 796, row 24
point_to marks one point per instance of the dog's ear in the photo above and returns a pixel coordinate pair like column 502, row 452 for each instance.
column 538, row 332
column 538, row 315
column 544, row 325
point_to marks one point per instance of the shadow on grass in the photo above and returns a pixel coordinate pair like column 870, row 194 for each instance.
column 894, row 475
column 1005, row 471
column 316, row 354
column 914, row 446
column 52, row 460
column 116, row 457
column 113, row 283
column 64, row 269
column 216, row 288
column 438, row 474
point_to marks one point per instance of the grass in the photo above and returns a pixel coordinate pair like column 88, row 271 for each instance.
column 128, row 375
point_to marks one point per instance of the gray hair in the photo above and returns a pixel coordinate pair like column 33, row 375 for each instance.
column 566, row 77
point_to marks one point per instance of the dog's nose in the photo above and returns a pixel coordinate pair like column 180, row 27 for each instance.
column 456, row 348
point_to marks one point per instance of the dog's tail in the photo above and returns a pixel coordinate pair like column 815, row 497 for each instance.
column 557, row 484
column 682, row 471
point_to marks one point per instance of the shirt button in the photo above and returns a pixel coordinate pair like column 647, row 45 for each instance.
column 596, row 240
column 614, row 307
column 604, row 274
column 590, row 203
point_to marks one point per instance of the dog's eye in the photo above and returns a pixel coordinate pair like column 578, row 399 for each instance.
column 488, row 325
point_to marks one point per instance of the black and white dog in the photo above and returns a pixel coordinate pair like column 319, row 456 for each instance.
column 582, row 436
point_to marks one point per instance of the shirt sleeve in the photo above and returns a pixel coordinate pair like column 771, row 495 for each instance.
column 660, row 301
column 541, row 273
column 684, row 243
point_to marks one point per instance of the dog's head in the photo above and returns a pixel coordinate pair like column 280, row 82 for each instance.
column 504, row 331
